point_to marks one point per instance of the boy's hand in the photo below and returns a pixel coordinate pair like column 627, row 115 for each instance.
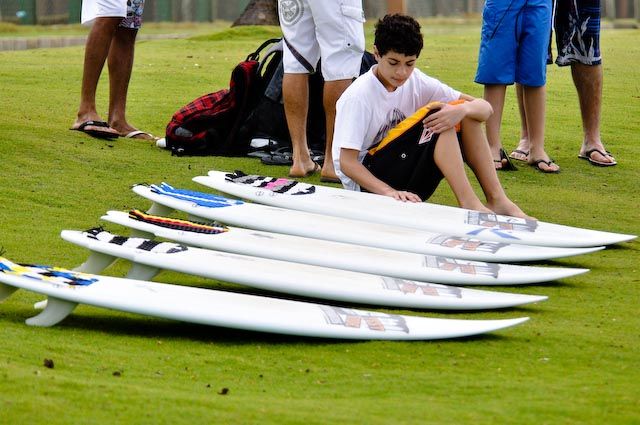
column 447, row 117
column 402, row 195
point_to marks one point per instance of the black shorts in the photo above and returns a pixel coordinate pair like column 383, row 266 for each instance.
column 406, row 160
column 577, row 32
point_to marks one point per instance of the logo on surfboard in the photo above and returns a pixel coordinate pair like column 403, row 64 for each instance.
column 464, row 244
column 358, row 319
column 466, row 267
column 412, row 287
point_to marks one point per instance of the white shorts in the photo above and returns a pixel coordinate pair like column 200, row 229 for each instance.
column 327, row 29
column 129, row 10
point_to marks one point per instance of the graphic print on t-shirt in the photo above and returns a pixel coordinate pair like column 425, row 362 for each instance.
column 394, row 117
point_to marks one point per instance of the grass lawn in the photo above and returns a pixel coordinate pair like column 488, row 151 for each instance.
column 574, row 362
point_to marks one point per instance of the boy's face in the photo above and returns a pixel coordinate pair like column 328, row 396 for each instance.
column 394, row 69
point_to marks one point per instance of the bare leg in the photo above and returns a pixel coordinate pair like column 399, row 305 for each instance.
column 120, row 62
column 448, row 158
column 478, row 155
column 534, row 106
column 295, row 92
column 96, row 51
column 495, row 94
column 588, row 82
column 521, row 152
column 332, row 91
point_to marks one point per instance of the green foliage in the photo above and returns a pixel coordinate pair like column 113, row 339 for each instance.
column 574, row 362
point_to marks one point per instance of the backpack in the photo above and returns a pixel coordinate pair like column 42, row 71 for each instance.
column 209, row 124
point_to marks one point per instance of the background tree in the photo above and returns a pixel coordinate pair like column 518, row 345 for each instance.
column 259, row 12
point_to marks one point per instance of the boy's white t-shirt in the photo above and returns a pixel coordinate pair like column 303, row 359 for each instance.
column 366, row 112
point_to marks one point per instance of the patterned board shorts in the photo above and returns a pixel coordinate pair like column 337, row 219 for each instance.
column 577, row 31
column 134, row 14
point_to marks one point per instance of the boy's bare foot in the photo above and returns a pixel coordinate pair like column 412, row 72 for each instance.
column 507, row 207
column 297, row 171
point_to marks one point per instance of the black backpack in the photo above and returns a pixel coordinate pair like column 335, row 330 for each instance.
column 209, row 125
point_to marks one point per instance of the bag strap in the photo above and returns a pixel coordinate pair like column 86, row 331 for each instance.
column 299, row 57
column 255, row 55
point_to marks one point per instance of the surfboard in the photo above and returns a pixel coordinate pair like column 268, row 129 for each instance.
column 425, row 268
column 286, row 193
column 166, row 198
column 150, row 257
column 66, row 289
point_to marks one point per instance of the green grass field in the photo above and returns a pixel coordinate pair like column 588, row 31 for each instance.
column 575, row 361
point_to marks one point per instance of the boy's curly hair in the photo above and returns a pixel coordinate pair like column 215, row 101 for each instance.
column 400, row 33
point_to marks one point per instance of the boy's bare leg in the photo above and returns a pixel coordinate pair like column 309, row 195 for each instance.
column 95, row 55
column 120, row 65
column 332, row 91
column 495, row 95
column 448, row 158
column 295, row 92
column 477, row 154
column 534, row 99
column 521, row 152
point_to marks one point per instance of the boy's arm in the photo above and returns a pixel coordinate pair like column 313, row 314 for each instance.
column 450, row 115
column 353, row 168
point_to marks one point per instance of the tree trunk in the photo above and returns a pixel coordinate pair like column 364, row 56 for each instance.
column 259, row 12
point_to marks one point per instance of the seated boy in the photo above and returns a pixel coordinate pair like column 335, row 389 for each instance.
column 410, row 167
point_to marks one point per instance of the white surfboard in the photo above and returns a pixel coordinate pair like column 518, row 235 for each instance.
column 402, row 265
column 149, row 258
column 65, row 289
column 320, row 199
column 298, row 223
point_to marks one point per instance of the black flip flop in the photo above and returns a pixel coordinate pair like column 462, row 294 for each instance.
column 505, row 167
column 96, row 133
column 606, row 154
column 536, row 165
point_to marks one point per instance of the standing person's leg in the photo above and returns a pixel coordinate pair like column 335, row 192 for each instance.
column 295, row 92
column 96, row 52
column 120, row 63
column 495, row 95
column 588, row 82
column 340, row 35
column 521, row 152
column 535, row 26
column 476, row 152
column 301, row 53
column 534, row 99
column 332, row 91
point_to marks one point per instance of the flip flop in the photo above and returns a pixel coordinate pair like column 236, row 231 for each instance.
column 504, row 167
column 97, row 133
column 135, row 133
column 606, row 154
column 536, row 165
column 519, row 152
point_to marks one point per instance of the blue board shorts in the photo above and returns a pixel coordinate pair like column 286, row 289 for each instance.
column 514, row 45
column 577, row 31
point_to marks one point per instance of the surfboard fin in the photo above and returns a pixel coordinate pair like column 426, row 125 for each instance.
column 159, row 209
column 142, row 272
column 6, row 291
column 96, row 263
column 55, row 311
